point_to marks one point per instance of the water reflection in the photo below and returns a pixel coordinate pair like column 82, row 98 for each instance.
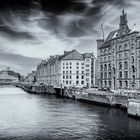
column 25, row 116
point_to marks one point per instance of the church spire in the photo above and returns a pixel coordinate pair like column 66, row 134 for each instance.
column 123, row 29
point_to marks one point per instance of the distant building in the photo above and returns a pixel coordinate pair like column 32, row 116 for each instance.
column 6, row 79
column 11, row 73
column 119, row 58
column 31, row 77
column 70, row 69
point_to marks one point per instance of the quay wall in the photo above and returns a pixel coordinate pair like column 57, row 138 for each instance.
column 37, row 89
column 134, row 108
column 125, row 101
column 109, row 100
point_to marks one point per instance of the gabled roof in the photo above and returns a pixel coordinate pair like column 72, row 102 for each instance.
column 112, row 35
column 72, row 55
column 87, row 55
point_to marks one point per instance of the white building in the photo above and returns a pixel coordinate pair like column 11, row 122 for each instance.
column 70, row 69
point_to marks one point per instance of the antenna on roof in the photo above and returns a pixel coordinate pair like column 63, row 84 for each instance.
column 102, row 31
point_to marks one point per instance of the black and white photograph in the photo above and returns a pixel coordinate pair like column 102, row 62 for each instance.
column 69, row 69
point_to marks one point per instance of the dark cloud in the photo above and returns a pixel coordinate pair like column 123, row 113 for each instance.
column 15, row 35
column 38, row 27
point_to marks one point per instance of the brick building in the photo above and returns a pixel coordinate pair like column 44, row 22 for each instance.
column 119, row 58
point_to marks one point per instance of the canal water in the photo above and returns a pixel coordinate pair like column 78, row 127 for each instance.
column 25, row 116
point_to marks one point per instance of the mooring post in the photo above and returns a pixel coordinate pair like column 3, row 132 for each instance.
column 61, row 92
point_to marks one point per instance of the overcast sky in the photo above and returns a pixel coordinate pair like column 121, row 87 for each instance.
column 33, row 30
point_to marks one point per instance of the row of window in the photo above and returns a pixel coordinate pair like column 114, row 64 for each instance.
column 70, row 82
column 125, row 84
column 106, row 84
column 125, row 65
column 105, row 67
column 71, row 63
column 105, row 51
column 70, row 77
column 105, row 75
column 77, row 72
column 105, row 59
column 125, row 74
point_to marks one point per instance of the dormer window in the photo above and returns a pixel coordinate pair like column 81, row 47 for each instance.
column 125, row 47
column 120, row 48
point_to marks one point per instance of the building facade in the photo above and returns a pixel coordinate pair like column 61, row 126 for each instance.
column 31, row 77
column 70, row 69
column 119, row 58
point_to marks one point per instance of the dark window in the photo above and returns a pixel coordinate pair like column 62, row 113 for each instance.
column 125, row 65
column 120, row 83
column 109, row 83
column 120, row 74
column 120, row 48
column 126, row 84
column 77, row 77
column 101, row 67
column 132, row 59
column 120, row 65
column 66, row 76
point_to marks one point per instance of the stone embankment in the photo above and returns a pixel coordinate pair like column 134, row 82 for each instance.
column 36, row 89
column 127, row 100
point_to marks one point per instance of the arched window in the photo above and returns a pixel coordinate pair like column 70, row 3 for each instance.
column 120, row 65
column 126, row 84
column 105, row 67
column 132, row 59
column 125, row 65
column 101, row 83
column 120, row 48
column 109, row 83
column 114, row 71
column 101, row 67
column 133, row 69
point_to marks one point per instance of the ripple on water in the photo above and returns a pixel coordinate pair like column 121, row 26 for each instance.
column 25, row 116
